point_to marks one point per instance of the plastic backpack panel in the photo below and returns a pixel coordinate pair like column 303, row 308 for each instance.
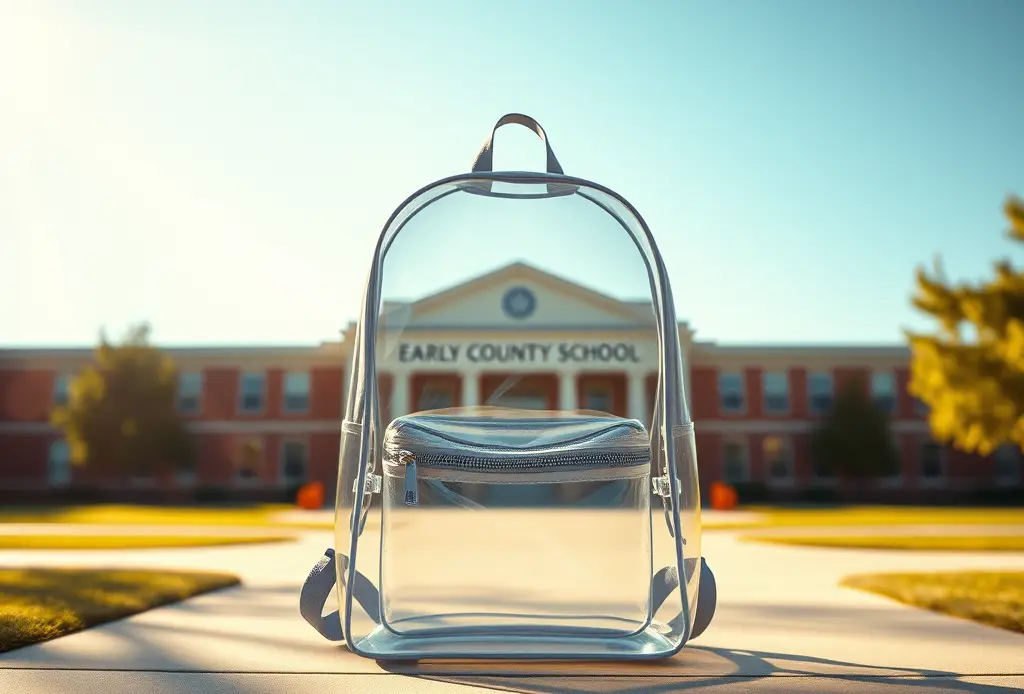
column 499, row 518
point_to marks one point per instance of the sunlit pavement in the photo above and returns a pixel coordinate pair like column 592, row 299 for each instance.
column 783, row 624
column 708, row 516
column 892, row 531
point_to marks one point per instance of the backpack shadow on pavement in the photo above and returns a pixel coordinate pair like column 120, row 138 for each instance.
column 699, row 669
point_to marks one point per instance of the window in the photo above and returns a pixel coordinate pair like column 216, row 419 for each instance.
column 819, row 392
column 250, row 459
column 776, row 392
column 598, row 398
column 1007, row 462
column 58, row 464
column 519, row 397
column 778, row 456
column 930, row 458
column 823, row 471
column 730, row 392
column 920, row 408
column 735, row 465
column 61, row 385
column 436, row 396
column 143, row 477
column 296, row 392
column 883, row 391
column 293, row 462
column 185, row 478
column 190, row 392
column 251, row 392
column 522, row 402
column 896, row 473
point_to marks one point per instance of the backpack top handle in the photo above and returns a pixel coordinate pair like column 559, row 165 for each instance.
column 484, row 161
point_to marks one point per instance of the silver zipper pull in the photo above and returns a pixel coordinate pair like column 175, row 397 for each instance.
column 407, row 459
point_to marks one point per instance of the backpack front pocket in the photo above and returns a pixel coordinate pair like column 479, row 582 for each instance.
column 476, row 533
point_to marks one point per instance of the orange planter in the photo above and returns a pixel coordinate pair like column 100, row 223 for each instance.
column 723, row 496
column 310, row 496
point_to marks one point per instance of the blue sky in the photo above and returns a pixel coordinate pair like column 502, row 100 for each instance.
column 222, row 169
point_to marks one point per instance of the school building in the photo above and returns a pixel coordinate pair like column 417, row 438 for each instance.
column 267, row 419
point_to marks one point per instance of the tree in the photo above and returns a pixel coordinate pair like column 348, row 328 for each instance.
column 854, row 438
column 971, row 372
column 121, row 416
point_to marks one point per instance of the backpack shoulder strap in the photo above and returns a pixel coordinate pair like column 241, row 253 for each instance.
column 317, row 589
column 320, row 582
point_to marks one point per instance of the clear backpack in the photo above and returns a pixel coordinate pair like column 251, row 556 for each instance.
column 517, row 474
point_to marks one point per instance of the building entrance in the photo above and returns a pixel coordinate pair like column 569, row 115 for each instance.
column 522, row 391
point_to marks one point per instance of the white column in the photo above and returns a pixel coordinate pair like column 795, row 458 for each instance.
column 567, row 391
column 636, row 396
column 399, row 393
column 685, row 340
column 687, row 386
column 470, row 389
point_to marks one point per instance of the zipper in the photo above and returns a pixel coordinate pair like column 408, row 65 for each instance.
column 613, row 448
column 399, row 435
column 408, row 460
column 599, row 466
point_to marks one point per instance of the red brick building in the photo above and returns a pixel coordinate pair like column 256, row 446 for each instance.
column 267, row 418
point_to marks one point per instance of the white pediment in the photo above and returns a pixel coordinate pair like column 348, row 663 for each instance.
column 520, row 296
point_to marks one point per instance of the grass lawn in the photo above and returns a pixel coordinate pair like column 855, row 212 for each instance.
column 114, row 514
column 950, row 543
column 132, row 541
column 41, row 604
column 990, row 597
column 877, row 516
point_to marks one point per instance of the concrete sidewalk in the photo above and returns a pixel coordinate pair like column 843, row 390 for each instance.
column 980, row 530
column 783, row 624
column 710, row 517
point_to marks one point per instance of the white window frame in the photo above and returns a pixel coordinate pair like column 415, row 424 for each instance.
column 765, row 377
column 820, row 376
column 61, row 378
column 427, row 386
column 722, row 376
column 744, row 446
column 300, row 440
column 892, row 396
column 1008, row 480
column 241, row 392
column 308, row 395
column 943, row 477
column 787, row 444
column 64, row 479
column 182, row 378
column 602, row 390
column 525, row 402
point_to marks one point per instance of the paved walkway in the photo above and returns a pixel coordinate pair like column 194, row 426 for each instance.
column 783, row 625
column 708, row 517
column 889, row 530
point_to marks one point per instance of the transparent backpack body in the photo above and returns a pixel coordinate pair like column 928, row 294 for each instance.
column 518, row 476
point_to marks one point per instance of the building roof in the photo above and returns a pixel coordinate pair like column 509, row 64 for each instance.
column 627, row 314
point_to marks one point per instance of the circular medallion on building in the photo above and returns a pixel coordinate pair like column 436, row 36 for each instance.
column 519, row 302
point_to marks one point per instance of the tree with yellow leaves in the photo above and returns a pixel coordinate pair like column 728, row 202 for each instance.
column 121, row 415
column 971, row 373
